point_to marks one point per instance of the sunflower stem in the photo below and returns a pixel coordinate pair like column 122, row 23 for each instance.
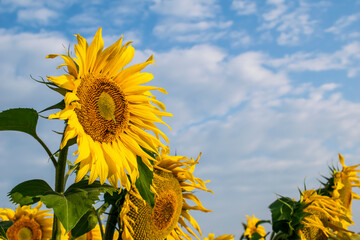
column 47, row 150
column 59, row 188
column 111, row 223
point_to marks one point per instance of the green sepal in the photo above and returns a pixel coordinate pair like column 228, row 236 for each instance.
column 52, row 86
column 19, row 119
column 85, row 224
column 256, row 236
column 287, row 216
column 59, row 105
column 4, row 226
column 29, row 192
column 144, row 182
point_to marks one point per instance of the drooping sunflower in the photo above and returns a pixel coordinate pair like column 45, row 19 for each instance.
column 108, row 110
column 324, row 217
column 344, row 181
column 28, row 223
column 173, row 183
column 251, row 227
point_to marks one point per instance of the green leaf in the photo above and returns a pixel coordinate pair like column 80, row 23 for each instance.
column 77, row 200
column 28, row 192
column 69, row 208
column 144, row 181
column 59, row 105
column 19, row 119
column 4, row 226
column 86, row 224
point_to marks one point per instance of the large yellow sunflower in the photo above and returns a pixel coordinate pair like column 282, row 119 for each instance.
column 28, row 223
column 108, row 110
column 324, row 219
column 251, row 227
column 173, row 182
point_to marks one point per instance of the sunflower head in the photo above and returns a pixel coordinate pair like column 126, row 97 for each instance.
column 252, row 227
column 28, row 223
column 109, row 111
column 173, row 182
column 325, row 217
column 344, row 181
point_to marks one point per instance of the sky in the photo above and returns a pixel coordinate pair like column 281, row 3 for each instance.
column 268, row 91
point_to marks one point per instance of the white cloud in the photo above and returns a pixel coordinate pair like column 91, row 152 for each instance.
column 292, row 25
column 38, row 15
column 201, row 31
column 244, row 7
column 346, row 58
column 342, row 23
column 185, row 9
column 22, row 55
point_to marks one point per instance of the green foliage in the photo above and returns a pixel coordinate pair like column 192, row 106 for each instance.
column 29, row 192
column 4, row 225
column 144, row 181
column 19, row 119
column 287, row 216
column 85, row 224
column 69, row 207
column 76, row 201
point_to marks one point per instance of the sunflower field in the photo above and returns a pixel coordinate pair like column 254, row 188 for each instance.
column 127, row 184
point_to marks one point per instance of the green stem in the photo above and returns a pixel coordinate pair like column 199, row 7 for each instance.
column 59, row 188
column 111, row 223
column 47, row 150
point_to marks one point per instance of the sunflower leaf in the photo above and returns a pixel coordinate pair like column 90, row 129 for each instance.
column 19, row 119
column 28, row 192
column 85, row 224
column 76, row 201
column 144, row 182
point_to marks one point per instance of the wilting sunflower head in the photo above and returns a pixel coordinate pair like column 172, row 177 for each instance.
column 108, row 110
column 28, row 223
column 252, row 227
column 325, row 217
column 173, row 181
column 344, row 181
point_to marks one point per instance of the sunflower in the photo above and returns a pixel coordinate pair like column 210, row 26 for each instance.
column 344, row 181
column 28, row 223
column 222, row 237
column 173, row 182
column 252, row 228
column 108, row 110
column 324, row 217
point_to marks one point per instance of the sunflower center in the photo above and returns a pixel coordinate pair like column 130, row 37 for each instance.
column 106, row 106
column 24, row 229
column 25, row 234
column 164, row 209
column 157, row 223
column 104, row 112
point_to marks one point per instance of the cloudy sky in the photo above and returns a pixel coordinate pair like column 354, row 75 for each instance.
column 268, row 91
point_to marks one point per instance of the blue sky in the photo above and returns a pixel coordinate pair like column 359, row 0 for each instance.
column 267, row 90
